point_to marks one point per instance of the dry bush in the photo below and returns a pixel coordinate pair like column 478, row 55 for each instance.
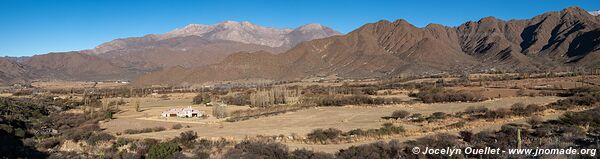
column 332, row 135
column 471, row 110
column 98, row 137
column 324, row 135
column 202, row 98
column 144, row 130
column 498, row 113
column 308, row 154
column 400, row 114
column 23, row 93
column 392, row 149
column 219, row 111
column 535, row 121
column 177, row 126
column 258, row 149
column 436, row 95
column 240, row 99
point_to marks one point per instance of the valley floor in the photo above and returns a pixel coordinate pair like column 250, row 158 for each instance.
column 292, row 123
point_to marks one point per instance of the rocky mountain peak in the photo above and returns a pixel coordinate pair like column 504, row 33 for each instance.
column 310, row 27
column 243, row 32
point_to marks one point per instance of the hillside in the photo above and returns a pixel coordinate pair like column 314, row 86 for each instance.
column 125, row 59
column 551, row 41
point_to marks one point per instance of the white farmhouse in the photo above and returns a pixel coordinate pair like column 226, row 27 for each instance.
column 182, row 112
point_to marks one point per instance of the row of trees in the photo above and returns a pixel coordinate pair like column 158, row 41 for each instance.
column 436, row 95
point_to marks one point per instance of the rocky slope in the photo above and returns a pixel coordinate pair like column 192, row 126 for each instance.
column 551, row 41
column 77, row 66
column 199, row 45
column 13, row 72
column 124, row 59
column 242, row 32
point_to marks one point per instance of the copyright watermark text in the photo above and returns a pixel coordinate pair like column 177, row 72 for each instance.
column 449, row 151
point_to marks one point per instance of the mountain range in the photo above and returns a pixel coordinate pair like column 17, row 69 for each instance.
column 230, row 50
column 552, row 41
column 127, row 58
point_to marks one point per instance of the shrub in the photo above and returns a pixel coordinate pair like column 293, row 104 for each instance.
column 163, row 150
column 417, row 117
column 219, row 111
column 519, row 109
column 369, row 91
column 579, row 99
column 187, row 138
column 357, row 132
column 177, row 126
column 459, row 124
column 308, row 154
column 498, row 113
column 23, row 93
column 144, row 130
column 532, row 108
column 323, row 135
column 466, row 135
column 201, row 98
column 49, row 143
column 131, row 131
column 389, row 129
column 476, row 110
column 535, row 121
column 258, row 149
column 392, row 149
column 121, row 142
column 159, row 128
column 400, row 114
column 93, row 139
column 586, row 118
column 437, row 116
column 237, row 99
column 436, row 95
column 386, row 129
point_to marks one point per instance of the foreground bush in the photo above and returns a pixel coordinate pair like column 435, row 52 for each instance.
column 325, row 136
column 389, row 150
column 258, row 149
column 163, row 150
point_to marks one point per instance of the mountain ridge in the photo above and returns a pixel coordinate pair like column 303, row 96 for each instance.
column 127, row 58
column 550, row 41
column 243, row 32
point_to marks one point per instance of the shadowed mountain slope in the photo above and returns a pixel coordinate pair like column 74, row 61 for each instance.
column 551, row 41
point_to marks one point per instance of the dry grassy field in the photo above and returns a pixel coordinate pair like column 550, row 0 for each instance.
column 299, row 122
column 304, row 107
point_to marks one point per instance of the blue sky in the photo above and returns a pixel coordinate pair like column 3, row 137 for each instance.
column 30, row 27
